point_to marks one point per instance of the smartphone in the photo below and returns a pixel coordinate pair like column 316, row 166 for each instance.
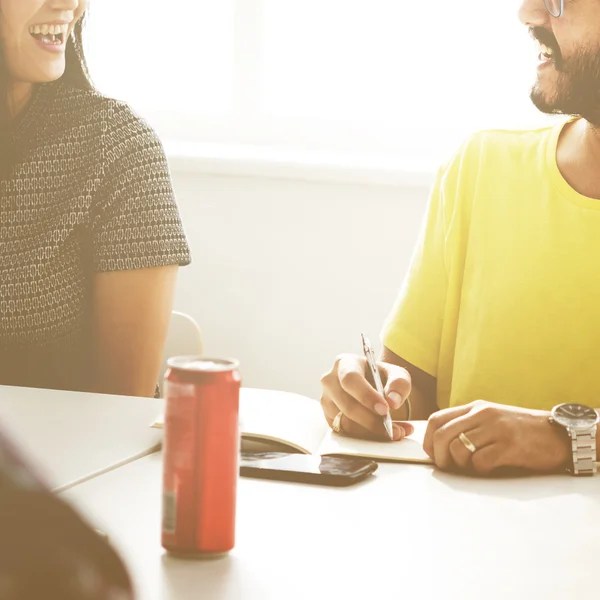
column 306, row 468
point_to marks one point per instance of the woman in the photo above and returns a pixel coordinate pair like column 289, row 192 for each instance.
column 90, row 236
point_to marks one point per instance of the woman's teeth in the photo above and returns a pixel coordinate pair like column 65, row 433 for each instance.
column 50, row 34
column 52, row 29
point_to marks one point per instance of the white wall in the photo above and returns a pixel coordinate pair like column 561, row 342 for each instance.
column 287, row 274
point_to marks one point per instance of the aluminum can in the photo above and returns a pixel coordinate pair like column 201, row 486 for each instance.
column 200, row 456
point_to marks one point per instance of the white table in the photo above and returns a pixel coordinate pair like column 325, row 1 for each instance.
column 73, row 436
column 410, row 532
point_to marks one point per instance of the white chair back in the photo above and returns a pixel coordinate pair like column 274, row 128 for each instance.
column 184, row 337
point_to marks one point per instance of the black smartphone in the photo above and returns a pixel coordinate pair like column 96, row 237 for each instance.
column 306, row 468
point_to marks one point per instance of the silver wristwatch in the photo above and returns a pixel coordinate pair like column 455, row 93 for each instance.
column 581, row 423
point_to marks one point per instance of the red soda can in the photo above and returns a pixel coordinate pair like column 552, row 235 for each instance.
column 200, row 456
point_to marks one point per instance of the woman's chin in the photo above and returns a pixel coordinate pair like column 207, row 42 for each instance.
column 47, row 74
column 52, row 75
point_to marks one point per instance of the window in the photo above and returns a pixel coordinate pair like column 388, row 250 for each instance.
column 376, row 76
column 163, row 56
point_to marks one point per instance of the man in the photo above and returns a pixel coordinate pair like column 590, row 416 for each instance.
column 498, row 320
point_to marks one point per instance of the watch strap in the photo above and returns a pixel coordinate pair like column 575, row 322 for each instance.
column 583, row 447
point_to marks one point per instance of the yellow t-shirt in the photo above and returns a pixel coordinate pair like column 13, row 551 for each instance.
column 502, row 298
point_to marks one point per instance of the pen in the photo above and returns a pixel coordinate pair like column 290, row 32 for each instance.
column 370, row 356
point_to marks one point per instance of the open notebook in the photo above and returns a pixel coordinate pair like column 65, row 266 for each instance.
column 272, row 420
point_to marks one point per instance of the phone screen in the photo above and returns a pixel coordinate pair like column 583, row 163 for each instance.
column 304, row 468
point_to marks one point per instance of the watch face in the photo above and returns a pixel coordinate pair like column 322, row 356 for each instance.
column 575, row 416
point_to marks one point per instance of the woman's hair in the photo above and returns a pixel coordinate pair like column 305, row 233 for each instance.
column 76, row 71
column 76, row 74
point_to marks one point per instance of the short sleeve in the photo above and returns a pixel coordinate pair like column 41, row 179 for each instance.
column 413, row 329
column 136, row 222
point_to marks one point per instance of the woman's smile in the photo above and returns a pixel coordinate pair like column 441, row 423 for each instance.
column 51, row 36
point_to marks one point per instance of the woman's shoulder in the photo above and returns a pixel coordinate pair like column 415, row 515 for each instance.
column 96, row 112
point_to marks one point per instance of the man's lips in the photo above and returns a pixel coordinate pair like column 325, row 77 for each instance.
column 545, row 51
column 548, row 49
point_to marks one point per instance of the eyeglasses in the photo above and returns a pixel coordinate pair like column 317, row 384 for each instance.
column 555, row 7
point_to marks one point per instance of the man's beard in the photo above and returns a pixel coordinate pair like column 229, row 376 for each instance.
column 577, row 89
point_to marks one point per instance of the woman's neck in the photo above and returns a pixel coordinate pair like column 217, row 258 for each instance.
column 19, row 98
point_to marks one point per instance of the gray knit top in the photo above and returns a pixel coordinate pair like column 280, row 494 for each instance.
column 88, row 190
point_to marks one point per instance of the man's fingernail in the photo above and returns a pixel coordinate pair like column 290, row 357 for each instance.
column 408, row 429
column 381, row 409
column 398, row 432
column 395, row 398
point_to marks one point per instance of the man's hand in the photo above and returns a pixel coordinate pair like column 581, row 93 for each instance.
column 504, row 436
column 346, row 390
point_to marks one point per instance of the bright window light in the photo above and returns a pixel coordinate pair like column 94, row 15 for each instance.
column 373, row 76
column 163, row 56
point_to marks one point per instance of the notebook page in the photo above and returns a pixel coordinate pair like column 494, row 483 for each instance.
column 410, row 449
column 283, row 417
column 290, row 418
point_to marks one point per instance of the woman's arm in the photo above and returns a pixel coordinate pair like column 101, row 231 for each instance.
column 131, row 311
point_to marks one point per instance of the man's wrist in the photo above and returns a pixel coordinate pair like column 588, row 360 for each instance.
column 580, row 424
column 563, row 445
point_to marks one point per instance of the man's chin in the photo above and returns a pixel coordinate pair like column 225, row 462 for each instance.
column 544, row 101
column 569, row 86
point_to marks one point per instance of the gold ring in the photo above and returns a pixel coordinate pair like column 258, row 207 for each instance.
column 467, row 443
column 337, row 423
